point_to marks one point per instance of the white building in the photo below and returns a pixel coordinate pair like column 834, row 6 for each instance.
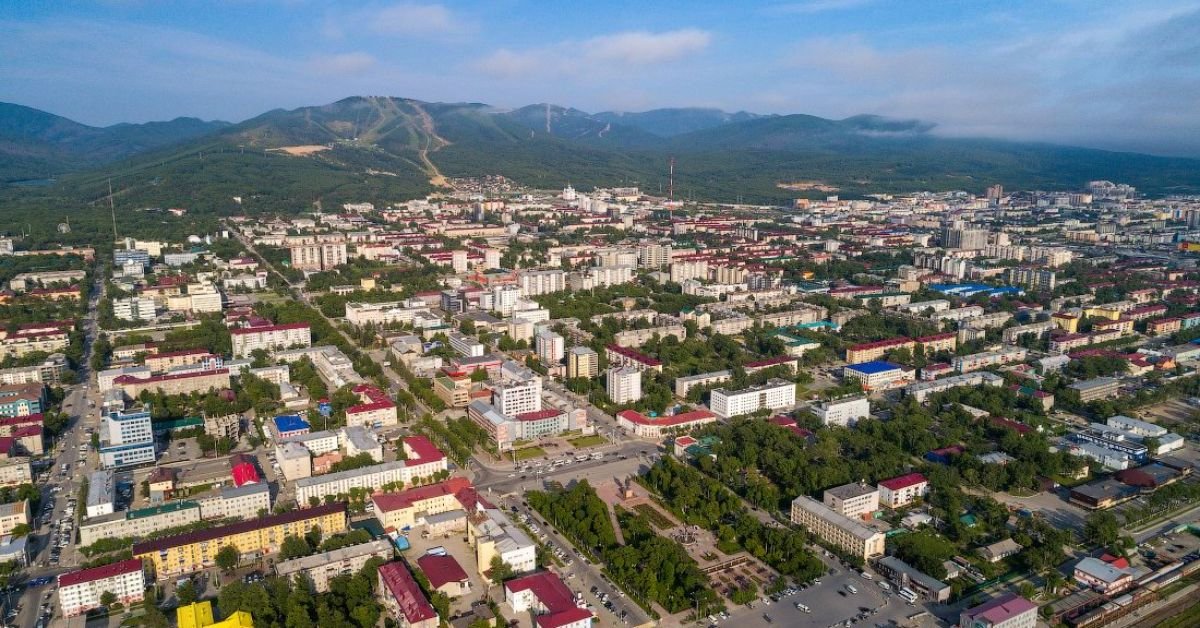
column 844, row 412
column 134, row 309
column 100, row 494
column 551, row 348
column 504, row 299
column 80, row 591
column 535, row 282
column 126, row 439
column 904, row 490
column 519, row 391
column 623, row 384
column 466, row 346
column 776, row 394
column 270, row 338
column 852, row 500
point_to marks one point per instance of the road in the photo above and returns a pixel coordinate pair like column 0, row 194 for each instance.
column 77, row 405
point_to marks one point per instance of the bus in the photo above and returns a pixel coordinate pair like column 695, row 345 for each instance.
column 908, row 595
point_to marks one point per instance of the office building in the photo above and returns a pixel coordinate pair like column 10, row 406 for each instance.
column 126, row 440
column 519, row 390
column 851, row 536
column 843, row 412
column 776, row 394
column 877, row 375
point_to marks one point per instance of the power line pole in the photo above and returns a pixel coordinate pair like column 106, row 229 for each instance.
column 112, row 207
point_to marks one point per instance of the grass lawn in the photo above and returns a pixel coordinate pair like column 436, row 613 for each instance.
column 655, row 517
column 587, row 441
column 529, row 452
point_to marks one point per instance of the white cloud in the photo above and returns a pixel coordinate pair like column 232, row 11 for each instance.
column 346, row 63
column 617, row 51
column 819, row 6
column 406, row 19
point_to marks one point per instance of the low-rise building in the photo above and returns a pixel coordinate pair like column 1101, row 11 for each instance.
column 854, row 500
column 193, row 551
column 843, row 412
column 906, row 576
column 655, row 428
column 317, row 570
column 80, row 591
column 904, row 490
column 444, row 574
column 1097, row 388
column 923, row 390
column 684, row 384
column 13, row 515
column 776, row 394
column 1102, row 577
column 548, row 598
column 877, row 375
column 1009, row 610
column 493, row 535
column 403, row 599
column 851, row 536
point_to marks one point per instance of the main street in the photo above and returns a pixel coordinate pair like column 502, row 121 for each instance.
column 79, row 405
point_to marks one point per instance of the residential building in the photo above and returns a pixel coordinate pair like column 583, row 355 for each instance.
column 100, row 494
column 174, row 384
column 998, row 551
column 81, row 591
column 12, row 515
column 375, row 410
column 904, row 490
column 843, row 412
column 684, row 384
column 851, row 536
column 442, row 506
column 923, row 390
column 187, row 553
column 582, row 362
column 639, row 337
column 855, row 500
column 622, row 356
column 977, row 361
column 1097, row 388
column 423, row 461
column 551, row 348
column 871, row 351
column 318, row 569
column 623, row 384
column 1009, row 610
column 776, row 394
column 134, row 309
column 444, row 574
column 270, row 338
column 1038, row 279
column 318, row 256
column 22, row 399
column 139, row 523
column 403, row 599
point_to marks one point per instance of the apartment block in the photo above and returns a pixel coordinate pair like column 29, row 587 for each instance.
column 849, row 535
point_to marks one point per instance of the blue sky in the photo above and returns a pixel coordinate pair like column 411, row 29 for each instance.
column 1122, row 75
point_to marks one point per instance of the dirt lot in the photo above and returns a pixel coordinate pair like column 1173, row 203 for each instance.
column 1169, row 413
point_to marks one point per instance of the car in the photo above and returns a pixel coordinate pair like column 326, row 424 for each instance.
column 865, row 575
column 767, row 618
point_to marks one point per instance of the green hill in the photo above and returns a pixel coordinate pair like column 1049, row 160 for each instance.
column 383, row 149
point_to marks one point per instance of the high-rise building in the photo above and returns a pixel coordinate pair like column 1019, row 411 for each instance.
column 582, row 362
column 624, row 384
column 995, row 193
column 318, row 256
column 126, row 439
column 550, row 347
column 1040, row 279
column 519, row 391
column 959, row 236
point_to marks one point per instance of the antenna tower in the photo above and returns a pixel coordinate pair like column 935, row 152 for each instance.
column 112, row 207
column 671, row 180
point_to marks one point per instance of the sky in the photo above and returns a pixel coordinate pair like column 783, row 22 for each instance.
column 1098, row 73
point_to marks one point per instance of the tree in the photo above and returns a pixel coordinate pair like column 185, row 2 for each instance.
column 186, row 593
column 1101, row 528
column 20, row 530
column 294, row 547
column 227, row 558
column 500, row 570
column 107, row 599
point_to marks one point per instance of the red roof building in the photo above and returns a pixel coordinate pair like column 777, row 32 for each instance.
column 444, row 574
column 647, row 427
column 550, row 599
column 242, row 468
column 403, row 598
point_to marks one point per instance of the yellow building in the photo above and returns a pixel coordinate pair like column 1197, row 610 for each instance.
column 200, row 615
column 191, row 552
column 1103, row 311
column 1066, row 322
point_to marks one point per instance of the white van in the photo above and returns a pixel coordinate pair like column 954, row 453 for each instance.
column 908, row 595
column 851, row 589
column 802, row 607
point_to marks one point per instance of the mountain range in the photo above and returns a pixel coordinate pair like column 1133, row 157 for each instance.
column 384, row 148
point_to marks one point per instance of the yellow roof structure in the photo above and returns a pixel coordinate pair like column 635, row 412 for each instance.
column 240, row 619
column 200, row 615
column 195, row 615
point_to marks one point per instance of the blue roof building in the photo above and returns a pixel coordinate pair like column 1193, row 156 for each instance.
column 289, row 425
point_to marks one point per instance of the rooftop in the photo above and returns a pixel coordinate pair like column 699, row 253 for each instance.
column 873, row 367
column 212, row 534
column 99, row 573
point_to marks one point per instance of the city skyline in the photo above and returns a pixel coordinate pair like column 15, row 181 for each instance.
column 1117, row 77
